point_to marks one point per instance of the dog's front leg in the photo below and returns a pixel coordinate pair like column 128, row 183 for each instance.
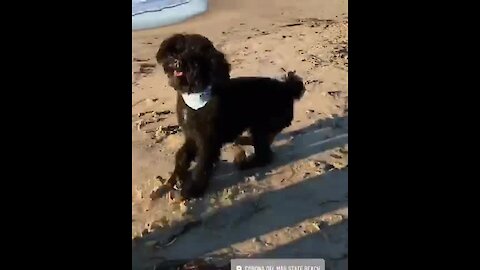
column 207, row 155
column 183, row 159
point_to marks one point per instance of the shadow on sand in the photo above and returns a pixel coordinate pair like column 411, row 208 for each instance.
column 258, row 215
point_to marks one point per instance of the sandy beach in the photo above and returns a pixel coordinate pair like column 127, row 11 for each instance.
column 297, row 207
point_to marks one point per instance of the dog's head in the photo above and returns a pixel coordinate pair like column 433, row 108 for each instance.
column 192, row 62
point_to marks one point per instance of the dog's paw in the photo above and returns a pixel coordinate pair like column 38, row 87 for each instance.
column 172, row 181
column 193, row 189
column 176, row 181
column 247, row 164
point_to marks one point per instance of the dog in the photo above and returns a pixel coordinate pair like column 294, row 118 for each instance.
column 214, row 109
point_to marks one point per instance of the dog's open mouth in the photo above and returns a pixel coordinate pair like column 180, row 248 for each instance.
column 177, row 73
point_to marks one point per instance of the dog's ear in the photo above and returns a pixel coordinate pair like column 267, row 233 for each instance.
column 219, row 67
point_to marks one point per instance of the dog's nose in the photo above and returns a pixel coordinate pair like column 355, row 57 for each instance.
column 176, row 63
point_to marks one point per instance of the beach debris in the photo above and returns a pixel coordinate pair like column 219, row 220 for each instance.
column 313, row 81
column 162, row 112
column 140, row 124
column 315, row 164
column 292, row 24
column 163, row 131
column 249, row 179
column 338, row 165
column 329, row 167
column 169, row 130
column 335, row 155
column 332, row 219
column 317, row 225
column 137, row 59
column 334, row 93
column 147, row 67
column 140, row 114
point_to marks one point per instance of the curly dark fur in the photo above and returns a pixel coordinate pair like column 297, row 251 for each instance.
column 263, row 106
column 175, row 49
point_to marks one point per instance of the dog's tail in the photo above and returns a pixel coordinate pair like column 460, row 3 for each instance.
column 294, row 85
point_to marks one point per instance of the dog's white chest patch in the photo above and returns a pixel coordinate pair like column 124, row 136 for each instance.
column 198, row 100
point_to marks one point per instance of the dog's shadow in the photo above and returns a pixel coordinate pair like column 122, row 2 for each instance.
column 301, row 144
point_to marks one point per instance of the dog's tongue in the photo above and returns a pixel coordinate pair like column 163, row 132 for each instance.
column 177, row 73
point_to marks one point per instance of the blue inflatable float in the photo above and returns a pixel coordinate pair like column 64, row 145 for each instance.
column 155, row 13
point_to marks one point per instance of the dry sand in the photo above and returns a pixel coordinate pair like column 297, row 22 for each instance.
column 296, row 207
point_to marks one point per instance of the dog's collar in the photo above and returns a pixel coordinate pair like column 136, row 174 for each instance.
column 198, row 100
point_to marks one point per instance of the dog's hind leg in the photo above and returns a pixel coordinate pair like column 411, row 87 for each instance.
column 240, row 159
column 248, row 140
column 244, row 140
column 183, row 159
column 262, row 140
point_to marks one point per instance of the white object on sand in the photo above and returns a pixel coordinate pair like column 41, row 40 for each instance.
column 155, row 13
